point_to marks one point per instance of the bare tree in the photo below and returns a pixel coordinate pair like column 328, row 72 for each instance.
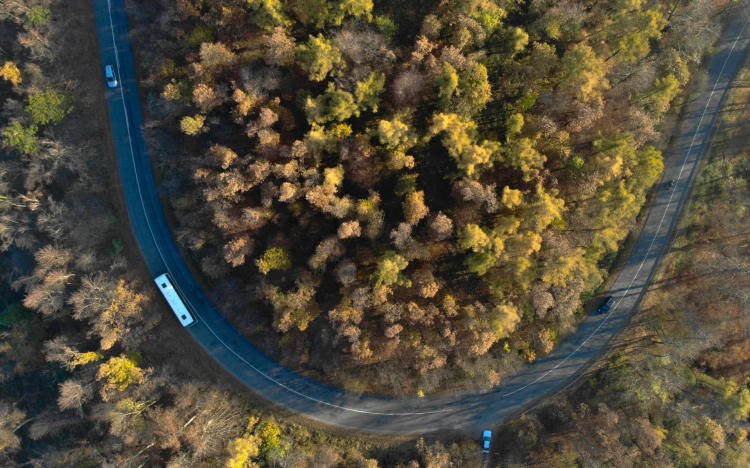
column 74, row 394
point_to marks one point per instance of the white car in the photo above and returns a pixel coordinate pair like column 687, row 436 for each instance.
column 109, row 72
column 486, row 437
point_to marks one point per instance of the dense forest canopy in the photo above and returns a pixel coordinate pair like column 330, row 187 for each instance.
column 433, row 190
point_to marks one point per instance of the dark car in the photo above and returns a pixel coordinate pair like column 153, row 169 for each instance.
column 606, row 304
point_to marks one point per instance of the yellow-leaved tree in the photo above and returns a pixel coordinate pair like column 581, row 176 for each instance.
column 319, row 57
column 120, row 372
column 631, row 28
column 565, row 266
column 520, row 154
column 242, row 450
column 504, row 319
column 459, row 138
column 543, row 208
column 582, row 73
column 10, row 72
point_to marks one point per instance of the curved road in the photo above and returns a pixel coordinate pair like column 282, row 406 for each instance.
column 471, row 410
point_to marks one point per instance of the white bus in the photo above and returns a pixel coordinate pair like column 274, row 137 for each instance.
column 175, row 301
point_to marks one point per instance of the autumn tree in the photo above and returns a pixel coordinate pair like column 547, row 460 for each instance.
column 664, row 91
column 74, row 394
column 47, row 286
column 401, row 236
column 408, row 86
column 544, row 208
column 10, row 72
column 193, row 125
column 205, row 97
column 320, row 138
column 23, row 139
column 459, row 138
column 560, row 269
column 504, row 319
column 274, row 258
column 441, row 226
column 313, row 12
column 398, row 138
column 521, row 154
column 367, row 92
column 49, row 107
column 426, row 283
column 414, row 207
column 222, row 156
column 280, row 47
column 395, row 134
column 242, row 450
column 268, row 14
column 319, row 57
column 346, row 272
column 62, row 351
column 447, row 84
column 511, row 197
column 216, row 56
column 474, row 238
column 349, row 229
column 631, row 29
column 474, row 89
column 10, row 420
column 120, row 372
column 582, row 73
column 175, row 91
column 485, row 246
column 334, row 105
column 359, row 161
column 361, row 9
column 114, row 310
column 514, row 125
column 245, row 103
column 389, row 271
column 237, row 249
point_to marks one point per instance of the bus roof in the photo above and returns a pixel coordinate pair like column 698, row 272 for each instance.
column 172, row 296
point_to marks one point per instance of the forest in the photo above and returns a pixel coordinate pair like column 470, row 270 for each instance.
column 85, row 380
column 413, row 201
column 675, row 393
column 407, row 198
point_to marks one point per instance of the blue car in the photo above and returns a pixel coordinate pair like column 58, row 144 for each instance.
column 606, row 304
column 109, row 73
column 486, row 437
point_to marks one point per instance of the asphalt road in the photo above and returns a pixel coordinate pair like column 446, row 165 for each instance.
column 472, row 410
